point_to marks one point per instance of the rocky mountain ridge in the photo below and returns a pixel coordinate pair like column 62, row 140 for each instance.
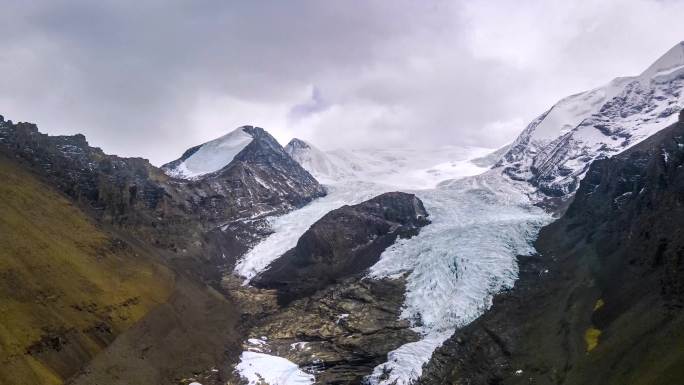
column 191, row 229
column 555, row 150
column 213, row 218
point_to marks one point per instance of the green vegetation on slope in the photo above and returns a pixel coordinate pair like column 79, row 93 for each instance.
column 66, row 288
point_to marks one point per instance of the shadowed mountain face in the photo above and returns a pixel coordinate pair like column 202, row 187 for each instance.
column 602, row 302
column 73, row 291
column 67, row 288
column 345, row 242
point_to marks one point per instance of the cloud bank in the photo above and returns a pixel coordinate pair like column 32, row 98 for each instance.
column 153, row 79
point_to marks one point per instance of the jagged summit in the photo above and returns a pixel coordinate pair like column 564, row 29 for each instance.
column 555, row 150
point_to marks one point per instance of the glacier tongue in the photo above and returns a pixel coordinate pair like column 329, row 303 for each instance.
column 458, row 263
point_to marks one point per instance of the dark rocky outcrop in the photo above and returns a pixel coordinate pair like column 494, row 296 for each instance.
column 602, row 302
column 345, row 242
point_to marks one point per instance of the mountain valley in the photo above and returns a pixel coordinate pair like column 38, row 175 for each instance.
column 556, row 260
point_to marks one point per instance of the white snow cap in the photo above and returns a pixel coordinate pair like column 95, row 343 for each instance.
column 672, row 59
column 403, row 168
column 571, row 111
column 214, row 155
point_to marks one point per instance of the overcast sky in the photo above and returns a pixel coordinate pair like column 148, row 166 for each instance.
column 152, row 78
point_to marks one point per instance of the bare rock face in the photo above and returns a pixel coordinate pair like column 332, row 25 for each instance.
column 343, row 243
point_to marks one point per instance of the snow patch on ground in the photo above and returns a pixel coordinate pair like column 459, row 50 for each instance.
column 265, row 369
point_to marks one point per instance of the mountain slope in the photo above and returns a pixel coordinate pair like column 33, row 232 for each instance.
column 191, row 229
column 68, row 289
column 206, row 223
column 555, row 150
column 334, row 322
column 602, row 302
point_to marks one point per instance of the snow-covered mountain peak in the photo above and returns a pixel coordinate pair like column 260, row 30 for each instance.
column 671, row 60
column 400, row 167
column 210, row 156
column 323, row 167
column 296, row 144
column 555, row 150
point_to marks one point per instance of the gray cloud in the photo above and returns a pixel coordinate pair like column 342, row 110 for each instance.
column 314, row 105
column 153, row 78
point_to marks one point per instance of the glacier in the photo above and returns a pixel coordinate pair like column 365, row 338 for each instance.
column 458, row 263
column 455, row 265
column 351, row 188
column 482, row 218
column 406, row 168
